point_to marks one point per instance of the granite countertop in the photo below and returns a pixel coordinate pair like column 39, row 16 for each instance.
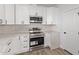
column 17, row 29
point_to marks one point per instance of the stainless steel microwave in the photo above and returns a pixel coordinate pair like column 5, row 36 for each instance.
column 36, row 19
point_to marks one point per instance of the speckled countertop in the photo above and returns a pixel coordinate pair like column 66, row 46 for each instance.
column 13, row 30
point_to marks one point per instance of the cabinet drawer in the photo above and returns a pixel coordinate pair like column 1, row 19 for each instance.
column 24, row 40
column 8, row 50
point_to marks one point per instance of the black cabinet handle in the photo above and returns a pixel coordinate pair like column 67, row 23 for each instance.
column 25, row 41
column 9, row 50
column 25, row 36
column 65, row 33
column 9, row 43
column 19, row 37
column 25, row 47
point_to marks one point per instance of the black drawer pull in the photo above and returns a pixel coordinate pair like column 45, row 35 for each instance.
column 9, row 50
column 25, row 46
column 25, row 41
column 65, row 33
column 9, row 43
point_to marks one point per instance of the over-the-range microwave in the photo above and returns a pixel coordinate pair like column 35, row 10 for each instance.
column 36, row 19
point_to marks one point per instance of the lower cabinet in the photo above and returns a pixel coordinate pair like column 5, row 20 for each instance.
column 11, row 46
column 24, row 43
column 47, row 39
column 52, row 39
column 15, row 45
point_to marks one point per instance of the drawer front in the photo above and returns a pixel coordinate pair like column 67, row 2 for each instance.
column 8, row 50
column 25, row 48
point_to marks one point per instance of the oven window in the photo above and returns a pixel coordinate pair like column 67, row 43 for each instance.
column 36, row 41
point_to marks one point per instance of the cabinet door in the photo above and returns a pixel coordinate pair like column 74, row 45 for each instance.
column 32, row 10
column 52, row 15
column 2, row 13
column 9, row 46
column 44, row 14
column 52, row 40
column 42, row 11
column 47, row 39
column 24, row 42
column 55, row 40
column 22, row 14
column 12, row 45
column 9, row 13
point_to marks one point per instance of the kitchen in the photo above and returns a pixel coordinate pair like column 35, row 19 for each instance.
column 30, row 27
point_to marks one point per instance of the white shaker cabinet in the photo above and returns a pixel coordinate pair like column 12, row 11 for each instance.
column 33, row 10
column 9, row 47
column 55, row 41
column 9, row 14
column 48, row 37
column 52, row 15
column 52, row 40
column 24, row 43
column 42, row 11
column 16, row 44
column 22, row 14
column 2, row 13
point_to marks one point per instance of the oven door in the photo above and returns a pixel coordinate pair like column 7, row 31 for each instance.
column 36, row 41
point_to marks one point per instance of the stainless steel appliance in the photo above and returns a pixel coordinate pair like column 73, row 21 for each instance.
column 36, row 38
column 36, row 19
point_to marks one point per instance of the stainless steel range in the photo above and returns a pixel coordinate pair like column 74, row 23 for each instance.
column 36, row 38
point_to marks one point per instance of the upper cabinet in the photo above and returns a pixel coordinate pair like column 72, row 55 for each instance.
column 52, row 15
column 42, row 11
column 22, row 14
column 33, row 10
column 2, row 14
column 9, row 14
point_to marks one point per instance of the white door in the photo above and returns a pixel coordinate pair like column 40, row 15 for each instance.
column 69, row 29
column 76, row 20
column 9, row 46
